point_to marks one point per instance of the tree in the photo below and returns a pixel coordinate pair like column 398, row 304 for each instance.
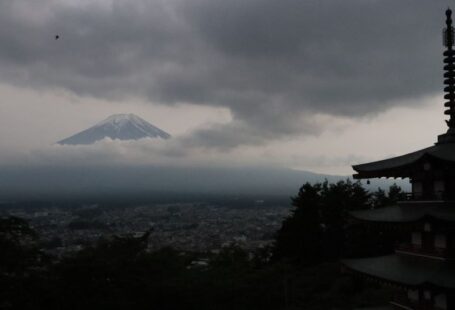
column 19, row 246
column 299, row 238
column 316, row 229
column 21, row 263
column 396, row 194
column 381, row 199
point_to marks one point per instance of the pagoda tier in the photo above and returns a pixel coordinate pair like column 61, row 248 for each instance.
column 422, row 267
column 429, row 227
column 410, row 211
column 421, row 283
column 405, row 166
column 407, row 271
column 431, row 171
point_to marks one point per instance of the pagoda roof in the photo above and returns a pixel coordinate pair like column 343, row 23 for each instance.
column 408, row 212
column 406, row 270
column 396, row 166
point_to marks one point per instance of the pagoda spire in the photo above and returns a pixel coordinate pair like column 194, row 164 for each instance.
column 449, row 68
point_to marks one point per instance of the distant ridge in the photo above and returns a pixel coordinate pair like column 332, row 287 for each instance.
column 44, row 182
column 117, row 126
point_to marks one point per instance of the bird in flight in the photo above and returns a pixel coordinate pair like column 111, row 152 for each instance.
column 57, row 37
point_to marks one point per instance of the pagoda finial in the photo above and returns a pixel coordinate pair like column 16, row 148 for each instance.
column 448, row 31
column 449, row 75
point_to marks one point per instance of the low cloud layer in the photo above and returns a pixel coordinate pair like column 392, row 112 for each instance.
column 273, row 64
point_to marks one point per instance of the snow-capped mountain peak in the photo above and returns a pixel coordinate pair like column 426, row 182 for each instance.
column 117, row 126
column 120, row 119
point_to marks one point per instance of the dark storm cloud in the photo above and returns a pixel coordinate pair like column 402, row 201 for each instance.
column 270, row 62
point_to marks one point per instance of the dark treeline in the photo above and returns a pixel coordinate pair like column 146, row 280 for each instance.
column 321, row 229
column 300, row 270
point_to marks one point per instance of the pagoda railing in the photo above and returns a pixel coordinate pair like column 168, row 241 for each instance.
column 403, row 302
column 419, row 250
column 438, row 195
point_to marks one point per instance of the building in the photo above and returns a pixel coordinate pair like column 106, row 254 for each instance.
column 422, row 267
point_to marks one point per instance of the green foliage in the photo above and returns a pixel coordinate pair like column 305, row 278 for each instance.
column 118, row 273
column 18, row 244
column 299, row 272
column 381, row 199
column 230, row 258
column 299, row 239
column 315, row 231
column 21, row 263
column 320, row 228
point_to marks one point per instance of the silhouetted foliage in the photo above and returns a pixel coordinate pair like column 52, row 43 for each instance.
column 299, row 271
column 320, row 228
column 18, row 244
column 381, row 199
column 299, row 238
column 118, row 273
column 21, row 262
column 315, row 231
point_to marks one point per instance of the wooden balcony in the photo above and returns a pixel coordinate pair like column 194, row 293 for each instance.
column 420, row 196
column 403, row 303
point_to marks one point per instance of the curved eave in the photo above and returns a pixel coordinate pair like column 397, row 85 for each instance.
column 407, row 271
column 387, row 167
column 402, row 166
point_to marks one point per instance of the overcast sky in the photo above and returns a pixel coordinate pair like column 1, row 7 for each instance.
column 315, row 84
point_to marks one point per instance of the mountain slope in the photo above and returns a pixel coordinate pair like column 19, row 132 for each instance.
column 45, row 182
column 118, row 126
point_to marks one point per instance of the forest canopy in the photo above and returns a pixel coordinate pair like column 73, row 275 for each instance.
column 300, row 269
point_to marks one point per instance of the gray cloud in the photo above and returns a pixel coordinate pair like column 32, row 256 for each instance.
column 272, row 63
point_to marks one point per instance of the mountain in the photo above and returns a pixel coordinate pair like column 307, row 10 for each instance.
column 80, row 182
column 118, row 126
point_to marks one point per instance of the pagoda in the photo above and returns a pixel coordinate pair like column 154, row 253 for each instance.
column 422, row 267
